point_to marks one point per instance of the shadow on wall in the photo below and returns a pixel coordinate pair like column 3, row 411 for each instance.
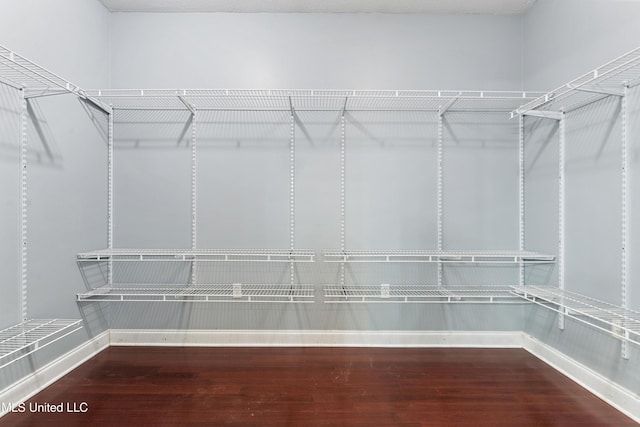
column 593, row 137
column 546, row 132
column 149, row 129
column 479, row 131
column 593, row 127
column 144, row 129
column 98, row 118
column 95, row 317
column 215, row 129
column 43, row 149
column 42, row 146
column 9, row 124
column 177, row 273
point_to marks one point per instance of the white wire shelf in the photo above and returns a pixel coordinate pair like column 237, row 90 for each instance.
column 19, row 341
column 418, row 294
column 312, row 100
column 23, row 74
column 20, row 73
column 447, row 256
column 206, row 255
column 237, row 292
column 620, row 322
column 609, row 79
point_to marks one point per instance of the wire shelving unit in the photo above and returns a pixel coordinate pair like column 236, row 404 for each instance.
column 292, row 101
column 21, row 73
column 198, row 292
column 613, row 79
column 32, row 81
column 620, row 322
column 312, row 100
column 36, row 81
column 607, row 80
column 387, row 292
column 23, row 339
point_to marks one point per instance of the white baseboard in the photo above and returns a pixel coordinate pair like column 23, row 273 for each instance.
column 48, row 374
column 616, row 396
column 315, row 338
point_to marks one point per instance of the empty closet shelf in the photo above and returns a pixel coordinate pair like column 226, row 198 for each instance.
column 604, row 81
column 20, row 73
column 237, row 292
column 417, row 294
column 19, row 341
column 205, row 255
column 478, row 257
column 313, row 100
column 613, row 319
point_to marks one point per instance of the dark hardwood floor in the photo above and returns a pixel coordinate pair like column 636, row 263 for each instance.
column 316, row 386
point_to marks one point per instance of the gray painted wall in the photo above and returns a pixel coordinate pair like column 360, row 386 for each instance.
column 152, row 180
column 480, row 181
column 593, row 200
column 67, row 191
column 391, row 180
column 565, row 39
column 541, row 195
column 323, row 51
column 9, row 206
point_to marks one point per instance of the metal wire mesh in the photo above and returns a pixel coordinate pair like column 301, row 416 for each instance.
column 436, row 256
column 238, row 292
column 610, row 77
column 417, row 293
column 250, row 275
column 312, row 100
column 18, row 341
column 19, row 72
column 226, row 255
column 621, row 322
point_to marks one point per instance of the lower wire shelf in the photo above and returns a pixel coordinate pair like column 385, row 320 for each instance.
column 620, row 322
column 418, row 294
column 21, row 340
column 236, row 292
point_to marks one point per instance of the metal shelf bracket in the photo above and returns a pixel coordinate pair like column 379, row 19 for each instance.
column 554, row 115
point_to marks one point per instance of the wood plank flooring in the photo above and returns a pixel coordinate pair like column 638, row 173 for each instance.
column 316, row 387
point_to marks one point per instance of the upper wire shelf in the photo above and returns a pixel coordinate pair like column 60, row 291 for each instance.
column 606, row 80
column 620, row 322
column 19, row 341
column 21, row 73
column 446, row 256
column 312, row 100
column 209, row 255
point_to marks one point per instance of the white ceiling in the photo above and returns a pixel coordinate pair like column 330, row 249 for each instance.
column 323, row 6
